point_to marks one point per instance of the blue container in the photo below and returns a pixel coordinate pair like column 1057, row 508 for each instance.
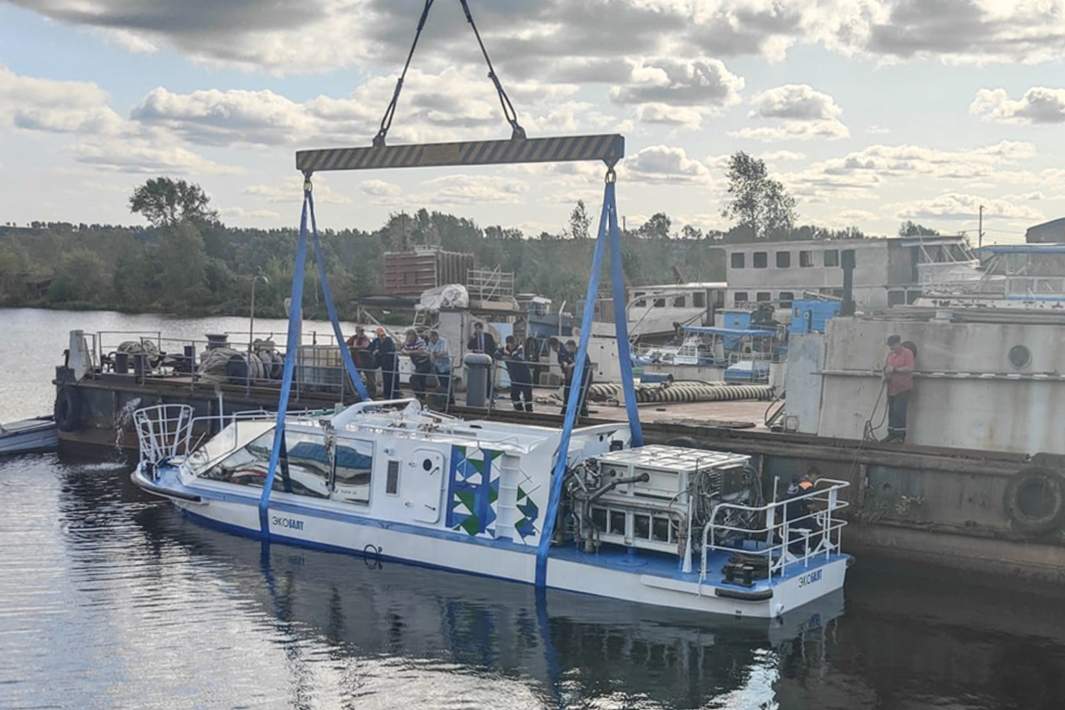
column 738, row 320
column 811, row 315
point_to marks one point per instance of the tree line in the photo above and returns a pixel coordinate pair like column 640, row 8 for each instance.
column 188, row 262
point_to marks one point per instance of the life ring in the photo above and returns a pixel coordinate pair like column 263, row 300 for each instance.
column 67, row 409
column 1035, row 499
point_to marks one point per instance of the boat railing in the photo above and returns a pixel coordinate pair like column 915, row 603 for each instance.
column 794, row 530
column 164, row 431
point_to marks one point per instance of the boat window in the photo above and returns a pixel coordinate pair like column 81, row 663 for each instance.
column 392, row 482
column 641, row 526
column 763, row 296
column 678, row 302
column 617, row 522
column 307, row 470
column 783, row 259
column 740, row 297
column 806, row 258
column 640, row 302
column 599, row 519
column 738, row 260
column 912, row 296
column 354, row 467
column 786, row 297
column 699, row 299
column 660, row 529
column 660, row 303
column 761, row 259
column 896, row 298
column 831, row 257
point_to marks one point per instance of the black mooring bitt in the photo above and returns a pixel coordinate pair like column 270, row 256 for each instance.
column 610, row 148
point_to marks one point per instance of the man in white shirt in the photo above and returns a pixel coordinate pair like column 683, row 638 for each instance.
column 441, row 358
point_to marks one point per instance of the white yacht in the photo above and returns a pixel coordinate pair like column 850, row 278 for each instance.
column 661, row 525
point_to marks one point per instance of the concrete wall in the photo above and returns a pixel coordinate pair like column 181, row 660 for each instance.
column 802, row 383
column 1016, row 415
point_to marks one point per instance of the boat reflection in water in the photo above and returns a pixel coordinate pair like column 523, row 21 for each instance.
column 560, row 647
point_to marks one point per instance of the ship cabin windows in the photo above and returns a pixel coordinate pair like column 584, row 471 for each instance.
column 831, row 257
column 737, row 260
column 660, row 303
column 679, row 302
column 309, row 469
column 761, row 259
column 763, row 296
column 739, row 297
column 640, row 302
column 785, row 298
column 699, row 299
column 783, row 259
column 806, row 258
column 896, row 297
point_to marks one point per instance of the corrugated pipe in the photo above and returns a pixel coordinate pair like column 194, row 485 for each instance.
column 679, row 392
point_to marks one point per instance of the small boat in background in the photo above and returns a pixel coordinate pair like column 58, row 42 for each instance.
column 28, row 436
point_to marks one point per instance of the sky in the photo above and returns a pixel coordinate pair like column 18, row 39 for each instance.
column 870, row 112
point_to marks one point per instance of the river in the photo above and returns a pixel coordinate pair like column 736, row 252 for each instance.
column 109, row 598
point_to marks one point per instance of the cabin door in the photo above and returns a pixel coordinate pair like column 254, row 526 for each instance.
column 425, row 470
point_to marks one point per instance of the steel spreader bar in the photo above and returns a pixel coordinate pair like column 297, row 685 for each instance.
column 609, row 147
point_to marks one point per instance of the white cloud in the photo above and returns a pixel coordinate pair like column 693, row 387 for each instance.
column 700, row 82
column 664, row 114
column 240, row 213
column 798, row 112
column 290, row 192
column 664, row 164
column 780, row 156
column 56, row 106
column 137, row 155
column 1038, row 105
column 450, row 104
column 960, row 206
column 471, row 190
column 380, row 188
column 320, row 35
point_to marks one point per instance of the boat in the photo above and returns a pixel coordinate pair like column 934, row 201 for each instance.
column 668, row 526
column 28, row 436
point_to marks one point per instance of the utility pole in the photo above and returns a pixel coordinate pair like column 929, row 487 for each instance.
column 980, row 231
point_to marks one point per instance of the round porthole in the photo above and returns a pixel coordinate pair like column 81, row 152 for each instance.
column 1020, row 356
column 427, row 464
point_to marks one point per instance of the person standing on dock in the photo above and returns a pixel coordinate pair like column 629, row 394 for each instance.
column 384, row 351
column 898, row 375
column 415, row 348
column 441, row 356
column 567, row 360
column 359, row 345
column 520, row 377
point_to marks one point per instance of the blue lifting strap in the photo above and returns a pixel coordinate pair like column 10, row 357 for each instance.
column 607, row 226
column 292, row 345
column 327, row 294
column 295, row 325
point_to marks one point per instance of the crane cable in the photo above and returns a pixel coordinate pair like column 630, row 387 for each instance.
column 509, row 112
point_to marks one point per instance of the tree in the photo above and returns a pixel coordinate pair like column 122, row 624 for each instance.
column 657, row 227
column 165, row 202
column 912, row 229
column 761, row 204
column 579, row 222
column 690, row 232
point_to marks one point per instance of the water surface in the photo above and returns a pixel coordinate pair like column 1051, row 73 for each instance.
column 109, row 598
